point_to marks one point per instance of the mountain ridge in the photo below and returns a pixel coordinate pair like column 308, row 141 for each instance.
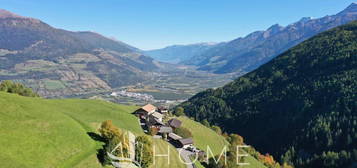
column 58, row 62
column 244, row 54
column 299, row 106
column 179, row 53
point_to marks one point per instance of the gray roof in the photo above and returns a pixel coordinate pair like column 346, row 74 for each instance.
column 157, row 115
column 158, row 121
column 155, row 121
column 165, row 130
column 186, row 141
column 174, row 136
column 175, row 123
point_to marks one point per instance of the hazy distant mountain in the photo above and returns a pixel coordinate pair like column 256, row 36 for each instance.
column 179, row 53
column 57, row 62
column 248, row 53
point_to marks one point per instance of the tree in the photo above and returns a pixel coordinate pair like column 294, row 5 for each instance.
column 235, row 139
column 144, row 152
column 206, row 123
column 17, row 88
column 108, row 131
column 113, row 137
column 267, row 159
column 179, row 111
column 216, row 129
column 153, row 131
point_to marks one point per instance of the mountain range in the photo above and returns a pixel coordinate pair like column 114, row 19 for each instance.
column 179, row 53
column 245, row 54
column 300, row 106
column 58, row 62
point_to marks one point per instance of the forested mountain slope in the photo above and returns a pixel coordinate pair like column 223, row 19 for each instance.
column 301, row 104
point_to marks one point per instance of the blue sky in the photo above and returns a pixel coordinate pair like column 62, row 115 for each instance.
column 149, row 24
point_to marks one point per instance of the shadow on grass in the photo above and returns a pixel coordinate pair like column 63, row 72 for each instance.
column 101, row 154
column 96, row 136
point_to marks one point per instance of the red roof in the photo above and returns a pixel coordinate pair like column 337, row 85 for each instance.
column 149, row 108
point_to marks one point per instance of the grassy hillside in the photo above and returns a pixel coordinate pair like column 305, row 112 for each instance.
column 203, row 137
column 162, row 162
column 36, row 132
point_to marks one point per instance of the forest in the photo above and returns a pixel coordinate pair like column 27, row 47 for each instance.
column 299, row 107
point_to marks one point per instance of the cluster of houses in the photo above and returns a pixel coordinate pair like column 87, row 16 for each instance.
column 153, row 117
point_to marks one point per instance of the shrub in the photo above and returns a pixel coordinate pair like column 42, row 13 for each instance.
column 179, row 111
column 216, row 129
column 205, row 123
column 112, row 136
column 144, row 152
column 153, row 131
column 17, row 88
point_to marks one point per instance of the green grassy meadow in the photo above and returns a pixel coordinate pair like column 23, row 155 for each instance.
column 36, row 132
column 203, row 137
column 162, row 147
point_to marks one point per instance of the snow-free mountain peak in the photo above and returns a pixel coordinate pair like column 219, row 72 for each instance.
column 7, row 14
column 351, row 9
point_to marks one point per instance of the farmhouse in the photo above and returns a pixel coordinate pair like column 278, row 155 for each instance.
column 165, row 130
column 153, row 122
column 145, row 111
column 175, row 123
column 156, row 115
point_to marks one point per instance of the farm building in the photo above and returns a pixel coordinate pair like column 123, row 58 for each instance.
column 175, row 123
column 156, row 115
column 185, row 143
column 153, row 122
column 174, row 137
column 165, row 130
column 145, row 111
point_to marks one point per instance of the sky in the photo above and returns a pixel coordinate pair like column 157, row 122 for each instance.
column 152, row 24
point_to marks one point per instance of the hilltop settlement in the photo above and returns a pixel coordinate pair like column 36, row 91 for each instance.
column 157, row 122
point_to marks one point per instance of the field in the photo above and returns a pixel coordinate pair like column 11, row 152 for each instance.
column 36, row 132
column 161, row 147
column 203, row 137
column 53, row 84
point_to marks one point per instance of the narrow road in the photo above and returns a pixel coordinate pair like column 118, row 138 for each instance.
column 185, row 156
